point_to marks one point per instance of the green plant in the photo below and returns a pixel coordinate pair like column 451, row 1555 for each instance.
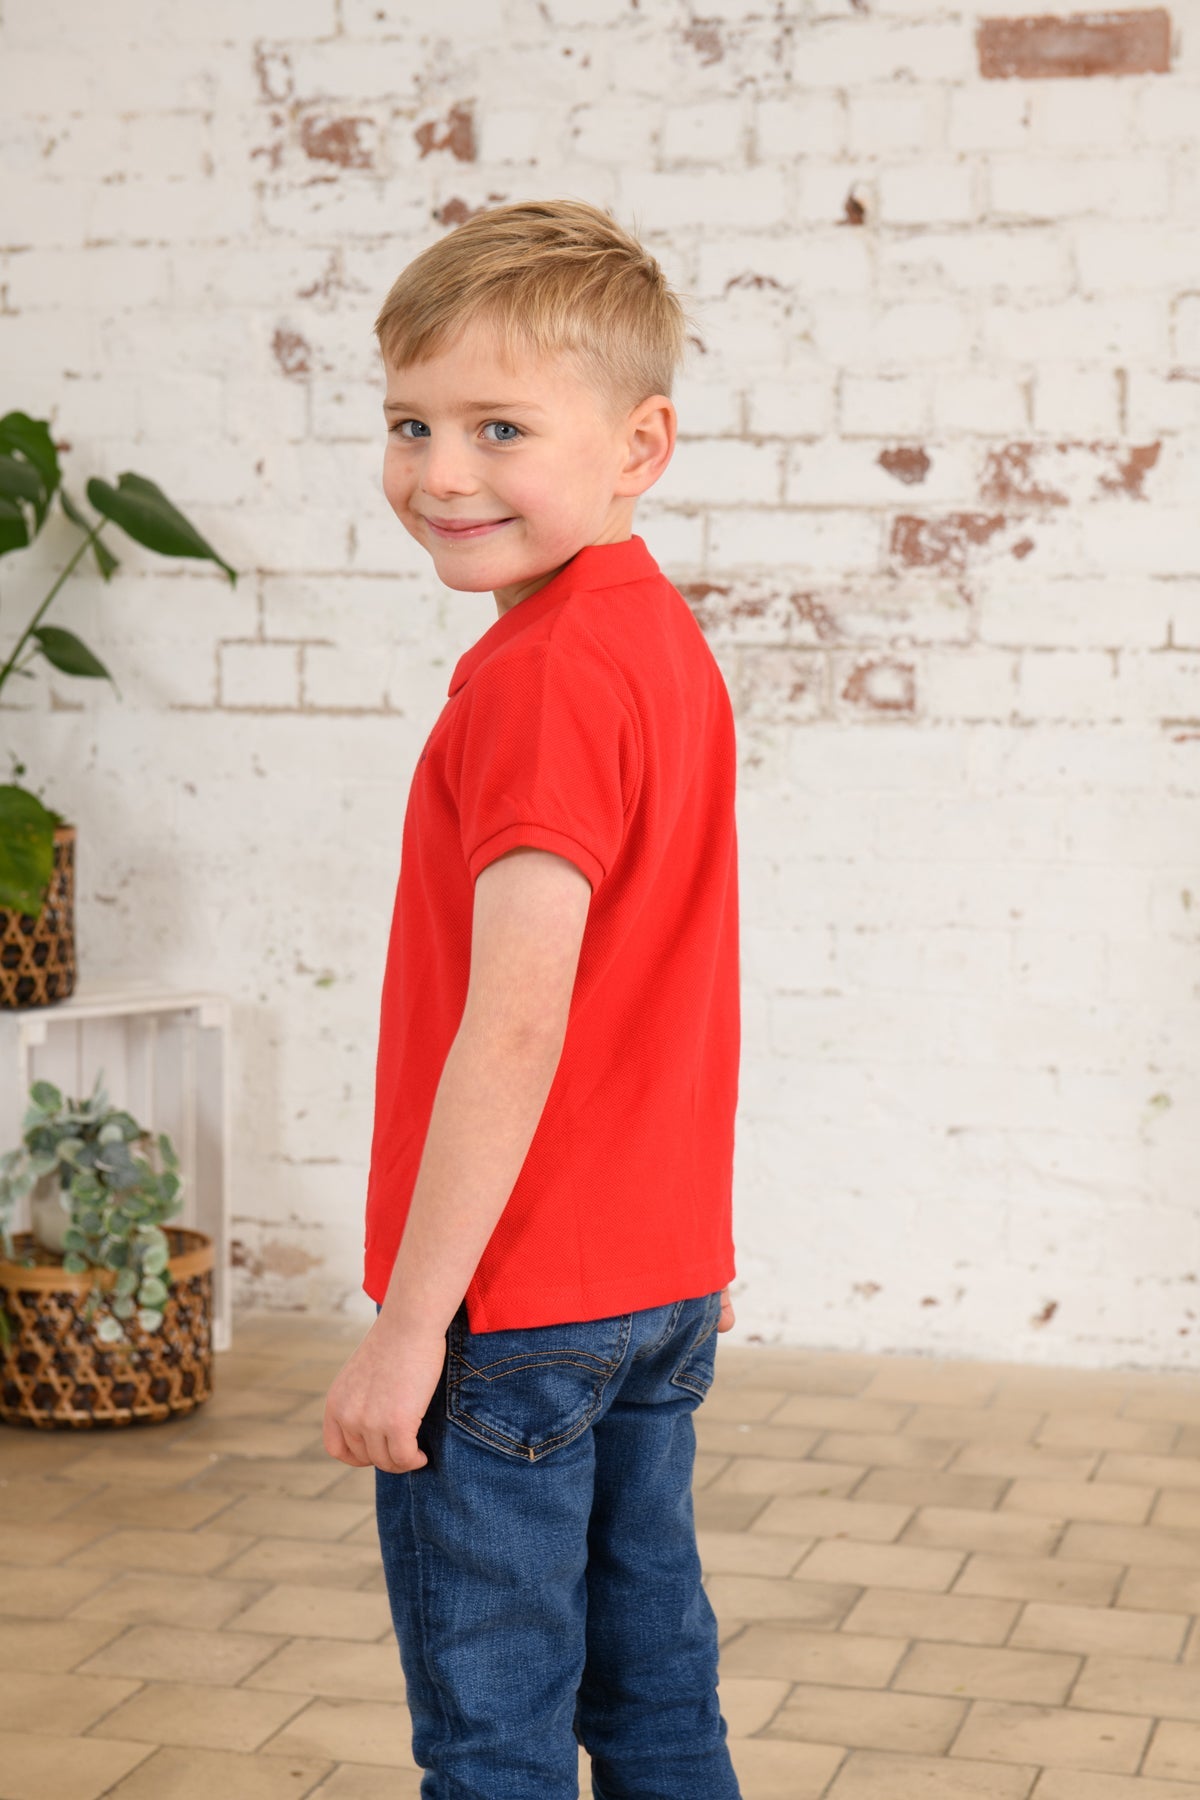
column 117, row 1199
column 29, row 480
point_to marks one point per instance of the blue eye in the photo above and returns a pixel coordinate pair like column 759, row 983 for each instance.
column 503, row 425
column 398, row 427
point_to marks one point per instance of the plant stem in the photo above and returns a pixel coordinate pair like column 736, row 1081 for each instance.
column 7, row 670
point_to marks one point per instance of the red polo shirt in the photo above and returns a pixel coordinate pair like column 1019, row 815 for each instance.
column 591, row 720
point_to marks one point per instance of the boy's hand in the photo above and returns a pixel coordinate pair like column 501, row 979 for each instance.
column 379, row 1398
column 726, row 1319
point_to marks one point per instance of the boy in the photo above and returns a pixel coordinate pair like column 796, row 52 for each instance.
column 548, row 1232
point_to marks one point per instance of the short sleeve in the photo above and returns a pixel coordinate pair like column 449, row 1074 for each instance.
column 546, row 757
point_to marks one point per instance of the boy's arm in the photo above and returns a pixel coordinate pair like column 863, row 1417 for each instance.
column 529, row 915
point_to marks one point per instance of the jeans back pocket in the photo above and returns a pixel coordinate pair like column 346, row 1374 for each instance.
column 698, row 1365
column 528, row 1391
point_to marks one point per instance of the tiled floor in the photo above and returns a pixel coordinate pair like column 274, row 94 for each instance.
column 935, row 1581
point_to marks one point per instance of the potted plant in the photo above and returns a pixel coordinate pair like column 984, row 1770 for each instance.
column 37, row 845
column 105, row 1316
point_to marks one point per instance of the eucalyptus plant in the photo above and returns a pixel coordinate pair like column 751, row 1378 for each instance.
column 117, row 1202
column 30, row 479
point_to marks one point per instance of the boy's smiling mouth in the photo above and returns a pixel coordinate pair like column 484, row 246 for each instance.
column 457, row 529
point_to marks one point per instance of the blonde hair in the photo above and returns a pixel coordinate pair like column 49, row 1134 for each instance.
column 549, row 276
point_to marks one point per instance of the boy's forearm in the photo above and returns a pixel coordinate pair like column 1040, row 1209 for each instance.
column 488, row 1103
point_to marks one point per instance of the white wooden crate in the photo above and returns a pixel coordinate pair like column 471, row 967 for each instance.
column 163, row 1057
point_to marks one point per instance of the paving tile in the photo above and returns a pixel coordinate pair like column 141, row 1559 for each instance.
column 747, row 1704
column 337, row 1669
column 829, row 1413
column 35, row 1499
column 174, row 1653
column 869, row 1719
column 727, row 1512
column 119, row 1505
column 25, row 1541
column 356, row 1781
column 1171, row 1398
column 876, row 1775
column 1138, row 1685
column 1158, row 1589
column 749, row 1553
column 297, row 1476
column 945, row 1618
column 815, row 1516
column 1150, row 1471
column 967, row 1528
column 1099, row 1630
column 63, row 1705
column 1103, row 1431
column 935, row 1381
column 1039, row 1578
column 198, row 1600
column 1074, row 1784
column 768, row 1597
column 1151, row 1545
column 1063, row 1390
column 279, row 1516
column 836, row 1659
column 277, row 1559
column 932, row 1487
column 211, row 1718
column 1016, row 1461
column 775, row 1475
column 976, row 1424
column 1000, row 1731
column 734, row 1436
column 1179, row 1507
column 157, row 1467
column 173, row 1552
column 876, row 1449
column 254, row 1402
column 47, row 1593
column 52, row 1645
column 1174, row 1753
column 982, row 1673
column 293, row 1610
column 39, row 1767
column 366, row 1730
column 1101, row 1502
column 198, row 1774
column 738, row 1404
column 881, row 1565
column 774, row 1770
column 705, row 1469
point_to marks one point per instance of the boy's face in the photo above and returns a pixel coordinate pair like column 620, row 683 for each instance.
column 504, row 470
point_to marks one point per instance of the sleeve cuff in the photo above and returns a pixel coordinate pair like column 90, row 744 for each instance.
column 536, row 837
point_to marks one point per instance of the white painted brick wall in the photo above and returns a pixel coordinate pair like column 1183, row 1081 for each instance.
column 934, row 504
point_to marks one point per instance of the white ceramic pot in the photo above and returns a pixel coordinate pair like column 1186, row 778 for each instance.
column 49, row 1217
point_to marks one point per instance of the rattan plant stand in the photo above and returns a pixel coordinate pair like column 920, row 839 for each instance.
column 55, row 1372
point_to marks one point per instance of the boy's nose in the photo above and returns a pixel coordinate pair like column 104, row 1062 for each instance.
column 445, row 470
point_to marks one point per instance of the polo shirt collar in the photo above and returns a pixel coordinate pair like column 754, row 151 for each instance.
column 595, row 566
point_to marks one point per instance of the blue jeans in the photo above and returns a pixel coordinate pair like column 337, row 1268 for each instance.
column 542, row 1568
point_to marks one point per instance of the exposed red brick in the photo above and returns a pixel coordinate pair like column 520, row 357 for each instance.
column 882, row 684
column 291, row 352
column 1022, row 548
column 1130, row 473
column 1047, row 1313
column 331, row 280
column 705, row 39
column 909, row 463
column 809, row 609
column 1008, row 479
column 855, row 212
column 941, row 543
column 338, row 141
column 752, row 281
column 457, row 134
column 1082, row 44
column 699, row 596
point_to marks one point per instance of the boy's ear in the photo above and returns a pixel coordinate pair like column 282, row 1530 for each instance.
column 650, row 439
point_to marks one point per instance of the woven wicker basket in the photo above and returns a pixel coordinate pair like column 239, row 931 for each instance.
column 37, row 951
column 55, row 1372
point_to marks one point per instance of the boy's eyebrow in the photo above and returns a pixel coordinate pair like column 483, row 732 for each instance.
column 469, row 406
